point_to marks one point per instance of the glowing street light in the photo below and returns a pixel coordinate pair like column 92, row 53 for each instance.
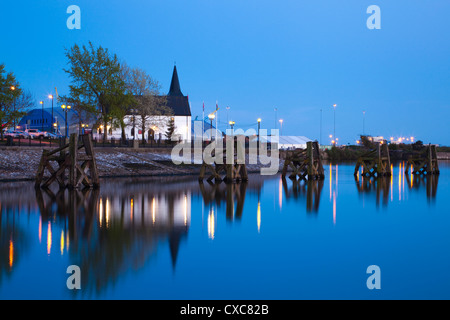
column 42, row 103
column 334, row 115
column 211, row 117
column 281, row 127
column 232, row 126
column 14, row 107
column 66, row 108
column 259, row 127
column 83, row 126
column 50, row 96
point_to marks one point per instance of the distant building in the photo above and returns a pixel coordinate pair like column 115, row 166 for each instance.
column 206, row 126
column 181, row 112
column 288, row 142
column 41, row 119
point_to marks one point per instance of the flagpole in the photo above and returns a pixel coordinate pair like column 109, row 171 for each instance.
column 203, row 122
column 217, row 117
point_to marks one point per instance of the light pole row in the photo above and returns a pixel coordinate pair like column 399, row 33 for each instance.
column 54, row 123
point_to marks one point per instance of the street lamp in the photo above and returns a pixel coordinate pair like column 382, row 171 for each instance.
column 259, row 127
column 66, row 108
column 50, row 96
column 281, row 126
column 276, row 118
column 334, row 113
column 364, row 116
column 320, row 130
column 211, row 117
column 42, row 103
column 232, row 126
column 83, row 126
column 14, row 108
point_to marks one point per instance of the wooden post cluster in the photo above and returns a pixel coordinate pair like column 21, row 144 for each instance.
column 305, row 163
column 375, row 163
column 227, row 172
column 77, row 159
column 425, row 163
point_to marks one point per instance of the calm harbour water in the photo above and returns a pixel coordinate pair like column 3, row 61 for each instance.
column 267, row 239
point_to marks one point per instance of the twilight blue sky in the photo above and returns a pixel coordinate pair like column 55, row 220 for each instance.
column 299, row 56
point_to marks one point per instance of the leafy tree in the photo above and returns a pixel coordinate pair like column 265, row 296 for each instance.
column 418, row 145
column 9, row 93
column 97, row 86
column 367, row 142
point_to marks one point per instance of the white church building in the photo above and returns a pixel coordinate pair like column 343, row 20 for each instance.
column 157, row 125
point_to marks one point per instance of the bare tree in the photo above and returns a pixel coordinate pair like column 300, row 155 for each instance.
column 149, row 107
column 151, row 111
column 21, row 105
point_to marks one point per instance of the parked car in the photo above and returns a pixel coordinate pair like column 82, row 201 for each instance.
column 22, row 134
column 35, row 133
column 53, row 135
column 10, row 133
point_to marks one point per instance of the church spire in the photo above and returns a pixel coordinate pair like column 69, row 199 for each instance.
column 175, row 84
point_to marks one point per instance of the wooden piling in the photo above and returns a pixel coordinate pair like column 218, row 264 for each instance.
column 304, row 163
column 424, row 162
column 223, row 170
column 375, row 163
column 81, row 166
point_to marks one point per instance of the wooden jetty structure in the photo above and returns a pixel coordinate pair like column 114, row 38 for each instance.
column 424, row 162
column 375, row 163
column 71, row 165
column 223, row 171
column 305, row 163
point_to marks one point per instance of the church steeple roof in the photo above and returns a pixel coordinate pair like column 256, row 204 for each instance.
column 175, row 89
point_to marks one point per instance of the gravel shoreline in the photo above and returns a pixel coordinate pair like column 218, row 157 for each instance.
column 21, row 163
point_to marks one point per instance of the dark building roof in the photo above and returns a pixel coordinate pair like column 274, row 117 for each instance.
column 179, row 105
column 175, row 89
column 175, row 98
